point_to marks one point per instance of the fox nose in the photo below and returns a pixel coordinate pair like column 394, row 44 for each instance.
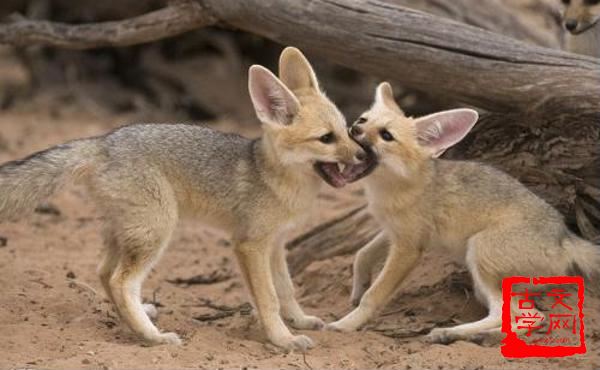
column 571, row 24
column 355, row 131
column 361, row 155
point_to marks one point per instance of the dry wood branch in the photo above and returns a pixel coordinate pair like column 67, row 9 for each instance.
column 172, row 20
column 223, row 311
column 343, row 235
column 214, row 277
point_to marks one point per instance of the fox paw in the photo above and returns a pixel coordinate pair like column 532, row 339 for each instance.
column 163, row 338
column 300, row 343
column 307, row 323
column 442, row 336
column 490, row 338
column 339, row 327
column 486, row 338
column 169, row 338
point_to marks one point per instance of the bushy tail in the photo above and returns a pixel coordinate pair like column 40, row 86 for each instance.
column 26, row 182
column 585, row 260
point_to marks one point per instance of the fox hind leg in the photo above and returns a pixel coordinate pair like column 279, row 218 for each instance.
column 141, row 247
column 108, row 264
column 488, row 291
column 139, row 227
column 106, row 269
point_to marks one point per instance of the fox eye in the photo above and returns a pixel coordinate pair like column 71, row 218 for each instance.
column 566, row 2
column 327, row 138
column 385, row 135
column 361, row 120
column 592, row 2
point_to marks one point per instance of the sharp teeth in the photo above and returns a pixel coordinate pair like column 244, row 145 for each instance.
column 341, row 167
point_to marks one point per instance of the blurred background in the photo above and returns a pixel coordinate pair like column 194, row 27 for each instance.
column 198, row 76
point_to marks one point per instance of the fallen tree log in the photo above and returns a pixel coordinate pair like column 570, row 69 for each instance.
column 498, row 16
column 450, row 60
column 494, row 15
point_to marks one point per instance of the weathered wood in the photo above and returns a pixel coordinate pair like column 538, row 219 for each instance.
column 445, row 58
column 177, row 18
column 499, row 16
column 448, row 60
column 340, row 236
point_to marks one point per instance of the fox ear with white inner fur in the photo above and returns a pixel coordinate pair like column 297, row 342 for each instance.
column 296, row 72
column 384, row 95
column 439, row 131
column 273, row 102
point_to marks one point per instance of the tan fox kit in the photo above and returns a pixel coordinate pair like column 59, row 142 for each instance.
column 581, row 20
column 497, row 225
column 143, row 177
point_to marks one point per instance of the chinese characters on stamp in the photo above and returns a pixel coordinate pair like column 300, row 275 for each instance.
column 557, row 330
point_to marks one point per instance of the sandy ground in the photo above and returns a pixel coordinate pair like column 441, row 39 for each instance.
column 53, row 313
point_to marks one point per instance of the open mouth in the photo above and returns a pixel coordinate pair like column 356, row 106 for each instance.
column 338, row 175
column 331, row 173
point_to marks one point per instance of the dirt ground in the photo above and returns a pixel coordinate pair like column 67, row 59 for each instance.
column 53, row 312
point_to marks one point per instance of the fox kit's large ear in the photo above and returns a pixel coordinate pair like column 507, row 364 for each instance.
column 384, row 95
column 439, row 131
column 295, row 71
column 273, row 101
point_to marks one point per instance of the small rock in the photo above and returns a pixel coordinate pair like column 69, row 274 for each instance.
column 70, row 275
column 3, row 241
column 85, row 361
column 223, row 243
column 47, row 209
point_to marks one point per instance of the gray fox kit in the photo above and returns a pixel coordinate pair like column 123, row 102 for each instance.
column 581, row 20
column 144, row 177
column 486, row 217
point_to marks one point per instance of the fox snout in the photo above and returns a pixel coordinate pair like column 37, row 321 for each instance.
column 353, row 152
column 571, row 24
column 358, row 135
column 580, row 15
column 356, row 132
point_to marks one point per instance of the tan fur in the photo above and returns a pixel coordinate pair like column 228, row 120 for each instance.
column 482, row 215
column 585, row 38
column 145, row 177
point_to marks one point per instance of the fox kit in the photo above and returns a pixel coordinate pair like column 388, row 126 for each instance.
column 144, row 177
column 581, row 20
column 497, row 225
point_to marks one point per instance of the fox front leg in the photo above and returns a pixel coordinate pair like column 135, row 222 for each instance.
column 254, row 259
column 367, row 260
column 399, row 263
column 290, row 309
